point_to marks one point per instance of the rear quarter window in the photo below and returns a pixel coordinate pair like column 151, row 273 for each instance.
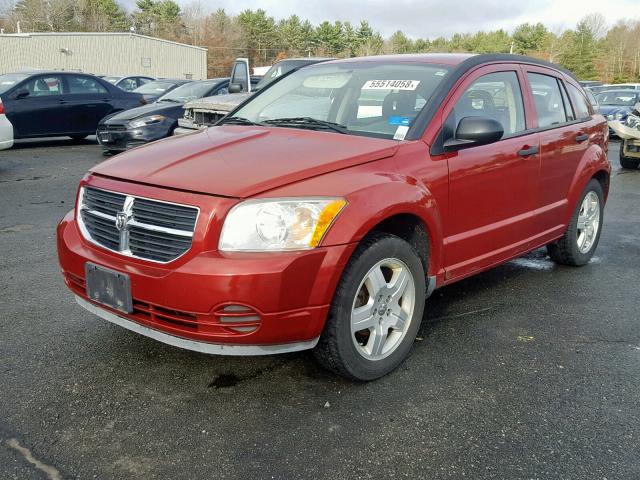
column 581, row 105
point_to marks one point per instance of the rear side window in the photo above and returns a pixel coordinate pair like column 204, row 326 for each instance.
column 495, row 95
column 548, row 99
column 580, row 102
column 85, row 85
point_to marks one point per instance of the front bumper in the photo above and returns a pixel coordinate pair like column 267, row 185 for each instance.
column 286, row 295
column 120, row 138
column 186, row 126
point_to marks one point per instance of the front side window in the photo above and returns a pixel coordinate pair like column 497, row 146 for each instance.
column 548, row 100
column 497, row 96
column 85, row 85
column 361, row 98
column 44, row 86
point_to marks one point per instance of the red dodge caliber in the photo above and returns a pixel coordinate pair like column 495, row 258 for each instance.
column 322, row 212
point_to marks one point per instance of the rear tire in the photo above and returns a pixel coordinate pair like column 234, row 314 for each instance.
column 376, row 310
column 580, row 241
column 626, row 162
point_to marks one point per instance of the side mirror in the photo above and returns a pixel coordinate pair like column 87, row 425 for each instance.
column 22, row 93
column 474, row 131
column 235, row 88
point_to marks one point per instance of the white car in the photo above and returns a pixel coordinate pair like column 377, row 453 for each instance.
column 6, row 130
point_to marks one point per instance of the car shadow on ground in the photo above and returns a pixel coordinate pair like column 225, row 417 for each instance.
column 52, row 142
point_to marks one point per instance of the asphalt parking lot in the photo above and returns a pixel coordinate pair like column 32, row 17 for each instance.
column 528, row 371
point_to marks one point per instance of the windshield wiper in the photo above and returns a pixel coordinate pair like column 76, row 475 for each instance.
column 238, row 121
column 308, row 122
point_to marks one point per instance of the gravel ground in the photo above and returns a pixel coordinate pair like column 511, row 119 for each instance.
column 528, row 371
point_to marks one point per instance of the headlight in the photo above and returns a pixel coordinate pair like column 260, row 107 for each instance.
column 148, row 120
column 279, row 224
column 609, row 117
column 619, row 116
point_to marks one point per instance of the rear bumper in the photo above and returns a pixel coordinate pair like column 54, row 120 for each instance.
column 6, row 133
column 286, row 295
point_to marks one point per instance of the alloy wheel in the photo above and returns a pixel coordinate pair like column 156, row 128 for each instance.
column 383, row 309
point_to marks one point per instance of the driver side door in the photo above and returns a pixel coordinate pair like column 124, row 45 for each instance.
column 493, row 187
column 41, row 111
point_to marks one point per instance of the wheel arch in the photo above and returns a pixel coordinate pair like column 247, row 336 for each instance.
column 413, row 216
column 594, row 164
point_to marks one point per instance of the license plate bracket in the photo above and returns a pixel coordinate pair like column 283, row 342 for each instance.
column 109, row 287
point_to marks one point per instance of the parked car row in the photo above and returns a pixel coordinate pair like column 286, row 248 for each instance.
column 130, row 128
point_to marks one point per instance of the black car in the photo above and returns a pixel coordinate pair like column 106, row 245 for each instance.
column 151, row 91
column 157, row 120
column 49, row 104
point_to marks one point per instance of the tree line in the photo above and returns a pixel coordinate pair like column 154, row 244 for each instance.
column 592, row 49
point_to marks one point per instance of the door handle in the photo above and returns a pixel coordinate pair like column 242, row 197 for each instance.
column 62, row 102
column 528, row 151
column 582, row 137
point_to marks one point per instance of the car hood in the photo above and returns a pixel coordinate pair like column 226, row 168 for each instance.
column 241, row 161
column 219, row 103
column 151, row 109
column 613, row 109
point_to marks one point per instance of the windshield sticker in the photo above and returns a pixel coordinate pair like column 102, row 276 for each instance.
column 401, row 132
column 441, row 73
column 398, row 120
column 391, row 85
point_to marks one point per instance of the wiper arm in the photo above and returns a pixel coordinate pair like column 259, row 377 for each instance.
column 308, row 122
column 238, row 121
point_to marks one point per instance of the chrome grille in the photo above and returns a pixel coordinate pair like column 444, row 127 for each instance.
column 136, row 227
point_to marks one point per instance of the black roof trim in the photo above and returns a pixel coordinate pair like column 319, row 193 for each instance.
column 426, row 115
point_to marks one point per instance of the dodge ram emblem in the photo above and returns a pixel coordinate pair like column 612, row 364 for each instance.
column 121, row 220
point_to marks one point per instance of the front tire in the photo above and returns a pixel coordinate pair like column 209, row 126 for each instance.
column 376, row 311
column 580, row 241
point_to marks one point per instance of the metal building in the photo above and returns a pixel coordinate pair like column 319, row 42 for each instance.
column 102, row 53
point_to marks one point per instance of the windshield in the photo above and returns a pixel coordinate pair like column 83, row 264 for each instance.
column 9, row 80
column 188, row 92
column 364, row 98
column 621, row 99
column 276, row 71
column 154, row 88
column 112, row 80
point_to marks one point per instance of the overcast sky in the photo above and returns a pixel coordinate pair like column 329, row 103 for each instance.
column 433, row 18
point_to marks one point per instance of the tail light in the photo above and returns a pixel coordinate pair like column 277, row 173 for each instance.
column 1, row 107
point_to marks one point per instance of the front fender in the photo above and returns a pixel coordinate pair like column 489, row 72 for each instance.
column 384, row 196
